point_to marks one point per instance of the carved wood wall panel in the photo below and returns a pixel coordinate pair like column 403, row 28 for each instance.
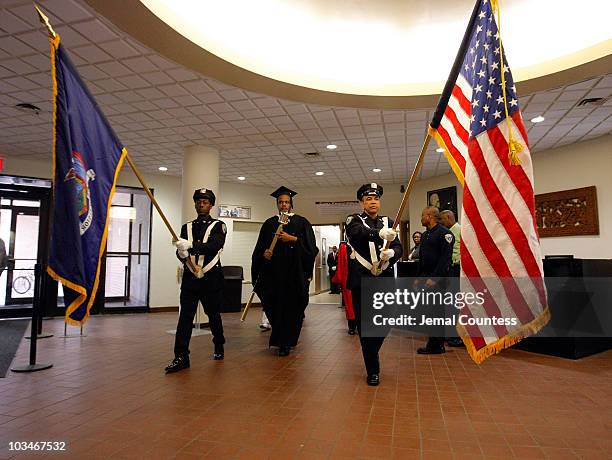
column 567, row 213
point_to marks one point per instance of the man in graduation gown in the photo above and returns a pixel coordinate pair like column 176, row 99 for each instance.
column 283, row 275
column 367, row 233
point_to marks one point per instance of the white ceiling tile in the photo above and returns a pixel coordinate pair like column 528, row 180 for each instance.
column 11, row 24
column 95, row 30
column 180, row 74
column 158, row 107
column 133, row 81
column 157, row 78
column 15, row 47
column 91, row 53
column 186, row 100
column 114, row 68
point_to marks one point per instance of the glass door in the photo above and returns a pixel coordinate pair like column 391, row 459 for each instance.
column 22, row 252
column 23, row 211
column 128, row 251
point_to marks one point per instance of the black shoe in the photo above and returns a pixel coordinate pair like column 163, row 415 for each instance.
column 178, row 364
column 373, row 380
column 455, row 342
column 351, row 332
column 218, row 355
column 284, row 351
column 431, row 351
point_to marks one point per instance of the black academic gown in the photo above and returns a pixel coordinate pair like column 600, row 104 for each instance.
column 283, row 281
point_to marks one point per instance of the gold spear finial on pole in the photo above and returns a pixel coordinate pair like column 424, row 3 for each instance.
column 45, row 21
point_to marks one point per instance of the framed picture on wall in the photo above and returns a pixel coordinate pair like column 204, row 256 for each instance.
column 444, row 199
column 236, row 212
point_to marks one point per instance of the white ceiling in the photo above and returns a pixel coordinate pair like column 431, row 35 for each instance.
column 158, row 107
column 383, row 47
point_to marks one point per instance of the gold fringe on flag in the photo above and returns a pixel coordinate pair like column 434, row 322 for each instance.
column 478, row 356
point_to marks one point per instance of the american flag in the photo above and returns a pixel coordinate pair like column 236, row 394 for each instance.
column 500, row 248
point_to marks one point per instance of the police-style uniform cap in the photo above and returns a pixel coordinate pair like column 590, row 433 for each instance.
column 204, row 193
column 282, row 190
column 372, row 189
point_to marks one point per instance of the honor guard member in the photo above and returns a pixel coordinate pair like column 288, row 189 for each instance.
column 367, row 233
column 201, row 241
column 435, row 262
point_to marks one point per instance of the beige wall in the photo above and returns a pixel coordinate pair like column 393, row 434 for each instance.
column 572, row 166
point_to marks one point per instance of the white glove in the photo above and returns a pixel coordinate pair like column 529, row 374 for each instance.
column 334, row 268
column 182, row 244
column 386, row 254
column 183, row 254
column 387, row 234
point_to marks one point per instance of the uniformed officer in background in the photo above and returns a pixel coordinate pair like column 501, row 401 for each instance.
column 367, row 233
column 447, row 218
column 202, row 241
column 435, row 262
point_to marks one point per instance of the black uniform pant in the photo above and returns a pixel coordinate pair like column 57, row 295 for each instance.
column 211, row 298
column 370, row 346
column 438, row 342
column 333, row 288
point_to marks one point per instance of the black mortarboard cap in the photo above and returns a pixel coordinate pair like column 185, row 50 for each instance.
column 204, row 193
column 282, row 190
column 372, row 189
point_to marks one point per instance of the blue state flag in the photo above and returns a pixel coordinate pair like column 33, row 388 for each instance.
column 87, row 157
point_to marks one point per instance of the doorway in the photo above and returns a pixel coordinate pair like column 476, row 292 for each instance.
column 24, row 213
column 326, row 236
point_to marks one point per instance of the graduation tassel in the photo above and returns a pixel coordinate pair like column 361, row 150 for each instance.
column 514, row 146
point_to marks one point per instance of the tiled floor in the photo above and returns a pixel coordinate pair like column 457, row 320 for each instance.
column 107, row 397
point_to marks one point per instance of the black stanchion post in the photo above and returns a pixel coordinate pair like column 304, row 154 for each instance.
column 42, row 292
column 33, row 367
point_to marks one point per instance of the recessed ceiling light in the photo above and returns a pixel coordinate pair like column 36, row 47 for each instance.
column 440, row 150
column 163, row 168
column 319, row 173
column 241, row 178
column 538, row 119
column 376, row 170
column 332, row 147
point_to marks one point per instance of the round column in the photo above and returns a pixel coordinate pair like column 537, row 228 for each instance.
column 200, row 170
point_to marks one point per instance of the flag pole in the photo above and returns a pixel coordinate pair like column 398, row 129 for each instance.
column 151, row 197
column 435, row 122
column 376, row 270
column 45, row 21
column 175, row 237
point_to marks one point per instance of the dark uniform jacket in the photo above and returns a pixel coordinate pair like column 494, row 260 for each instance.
column 360, row 230
column 436, row 252
column 331, row 263
column 208, row 250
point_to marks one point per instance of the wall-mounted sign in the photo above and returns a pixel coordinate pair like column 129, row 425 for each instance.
column 233, row 211
column 333, row 208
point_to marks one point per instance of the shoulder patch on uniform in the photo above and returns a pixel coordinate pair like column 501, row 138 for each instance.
column 448, row 237
column 223, row 227
column 349, row 219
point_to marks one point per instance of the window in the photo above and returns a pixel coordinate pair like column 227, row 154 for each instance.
column 128, row 250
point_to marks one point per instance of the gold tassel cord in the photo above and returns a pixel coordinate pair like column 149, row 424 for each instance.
column 514, row 146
